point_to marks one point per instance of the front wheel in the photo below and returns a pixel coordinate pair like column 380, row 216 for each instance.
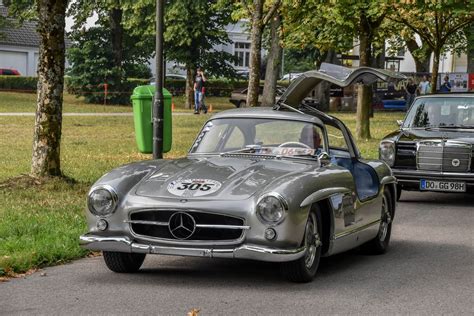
column 122, row 262
column 379, row 245
column 304, row 269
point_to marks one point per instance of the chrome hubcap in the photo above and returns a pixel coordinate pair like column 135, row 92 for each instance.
column 385, row 220
column 312, row 240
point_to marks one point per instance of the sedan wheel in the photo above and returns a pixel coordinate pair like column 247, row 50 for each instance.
column 304, row 269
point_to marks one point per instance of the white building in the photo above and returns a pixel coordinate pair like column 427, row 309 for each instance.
column 19, row 47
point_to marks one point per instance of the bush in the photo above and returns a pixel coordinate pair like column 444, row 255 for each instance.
column 214, row 87
column 96, row 93
column 18, row 83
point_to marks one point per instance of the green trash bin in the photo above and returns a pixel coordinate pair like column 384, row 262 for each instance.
column 142, row 100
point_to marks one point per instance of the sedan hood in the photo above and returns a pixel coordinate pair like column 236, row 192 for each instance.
column 465, row 135
column 222, row 178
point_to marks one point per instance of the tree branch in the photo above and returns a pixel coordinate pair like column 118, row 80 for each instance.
column 271, row 12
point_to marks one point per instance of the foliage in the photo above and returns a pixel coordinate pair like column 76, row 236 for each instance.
column 193, row 28
column 18, row 83
column 92, row 63
column 440, row 24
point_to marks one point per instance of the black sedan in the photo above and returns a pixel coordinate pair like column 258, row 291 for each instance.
column 434, row 148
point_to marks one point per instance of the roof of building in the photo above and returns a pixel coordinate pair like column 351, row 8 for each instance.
column 21, row 35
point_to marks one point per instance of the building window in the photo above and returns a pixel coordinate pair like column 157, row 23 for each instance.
column 242, row 53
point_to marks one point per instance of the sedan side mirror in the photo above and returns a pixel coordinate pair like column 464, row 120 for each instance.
column 324, row 158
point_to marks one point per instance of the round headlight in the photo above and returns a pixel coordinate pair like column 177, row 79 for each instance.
column 102, row 201
column 387, row 152
column 271, row 208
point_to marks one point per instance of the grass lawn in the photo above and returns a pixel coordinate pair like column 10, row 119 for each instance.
column 40, row 224
column 26, row 102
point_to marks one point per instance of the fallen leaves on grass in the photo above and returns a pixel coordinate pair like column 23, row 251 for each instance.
column 193, row 312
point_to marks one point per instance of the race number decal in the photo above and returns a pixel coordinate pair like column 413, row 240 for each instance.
column 193, row 187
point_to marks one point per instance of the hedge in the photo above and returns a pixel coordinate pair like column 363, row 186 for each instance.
column 18, row 83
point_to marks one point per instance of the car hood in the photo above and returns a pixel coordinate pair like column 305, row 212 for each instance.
column 222, row 178
column 466, row 136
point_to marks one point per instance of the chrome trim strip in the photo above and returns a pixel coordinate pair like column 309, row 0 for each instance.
column 222, row 226
column 388, row 179
column 253, row 252
column 146, row 222
column 323, row 194
column 355, row 229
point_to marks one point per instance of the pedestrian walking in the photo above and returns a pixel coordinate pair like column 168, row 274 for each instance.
column 446, row 86
column 199, row 82
column 425, row 86
column 410, row 90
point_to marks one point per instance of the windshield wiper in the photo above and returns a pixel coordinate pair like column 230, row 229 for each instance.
column 249, row 149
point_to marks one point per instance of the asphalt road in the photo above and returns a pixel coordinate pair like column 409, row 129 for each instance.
column 428, row 270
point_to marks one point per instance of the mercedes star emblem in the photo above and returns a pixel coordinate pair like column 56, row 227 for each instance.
column 181, row 225
column 455, row 162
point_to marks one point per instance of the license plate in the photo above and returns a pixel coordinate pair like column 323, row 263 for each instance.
column 445, row 186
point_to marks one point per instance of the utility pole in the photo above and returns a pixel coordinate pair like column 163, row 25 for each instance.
column 158, row 104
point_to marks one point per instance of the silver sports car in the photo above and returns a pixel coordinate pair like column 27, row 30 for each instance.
column 282, row 184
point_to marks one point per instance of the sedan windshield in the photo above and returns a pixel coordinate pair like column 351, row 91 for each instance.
column 259, row 137
column 439, row 112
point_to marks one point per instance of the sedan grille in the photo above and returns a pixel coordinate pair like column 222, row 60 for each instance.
column 445, row 156
column 186, row 225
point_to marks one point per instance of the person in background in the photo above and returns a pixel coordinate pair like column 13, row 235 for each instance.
column 199, row 81
column 446, row 86
column 424, row 87
column 410, row 89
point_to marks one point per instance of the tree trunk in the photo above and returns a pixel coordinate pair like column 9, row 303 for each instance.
column 188, row 104
column 421, row 55
column 273, row 64
column 116, row 29
column 255, row 56
column 434, row 71
column 470, row 48
column 48, row 120
column 364, row 97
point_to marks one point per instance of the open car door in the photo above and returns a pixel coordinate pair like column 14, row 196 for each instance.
column 338, row 75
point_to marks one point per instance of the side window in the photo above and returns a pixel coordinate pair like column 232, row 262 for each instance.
column 337, row 143
column 236, row 140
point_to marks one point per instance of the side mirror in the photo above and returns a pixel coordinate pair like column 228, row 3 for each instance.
column 400, row 123
column 324, row 158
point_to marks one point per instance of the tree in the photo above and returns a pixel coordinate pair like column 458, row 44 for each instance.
column 192, row 29
column 439, row 24
column 258, row 21
column 273, row 63
column 334, row 25
column 470, row 48
column 106, row 53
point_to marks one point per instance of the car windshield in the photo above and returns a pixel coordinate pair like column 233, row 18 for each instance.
column 259, row 137
column 439, row 112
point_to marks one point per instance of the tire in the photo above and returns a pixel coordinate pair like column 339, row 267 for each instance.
column 122, row 262
column 379, row 245
column 399, row 192
column 304, row 269
column 242, row 104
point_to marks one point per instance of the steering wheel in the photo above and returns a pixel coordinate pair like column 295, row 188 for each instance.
column 294, row 143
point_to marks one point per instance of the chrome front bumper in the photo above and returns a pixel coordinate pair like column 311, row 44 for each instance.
column 412, row 177
column 126, row 244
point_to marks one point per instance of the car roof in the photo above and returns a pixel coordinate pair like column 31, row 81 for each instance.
column 267, row 112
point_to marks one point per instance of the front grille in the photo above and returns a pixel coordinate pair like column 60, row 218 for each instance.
column 406, row 148
column 197, row 225
column 446, row 156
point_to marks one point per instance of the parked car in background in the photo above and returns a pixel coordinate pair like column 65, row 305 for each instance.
column 285, row 184
column 239, row 97
column 434, row 148
column 175, row 77
column 9, row 72
column 242, row 74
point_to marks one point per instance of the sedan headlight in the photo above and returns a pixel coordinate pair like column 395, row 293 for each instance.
column 102, row 200
column 271, row 208
column 387, row 152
